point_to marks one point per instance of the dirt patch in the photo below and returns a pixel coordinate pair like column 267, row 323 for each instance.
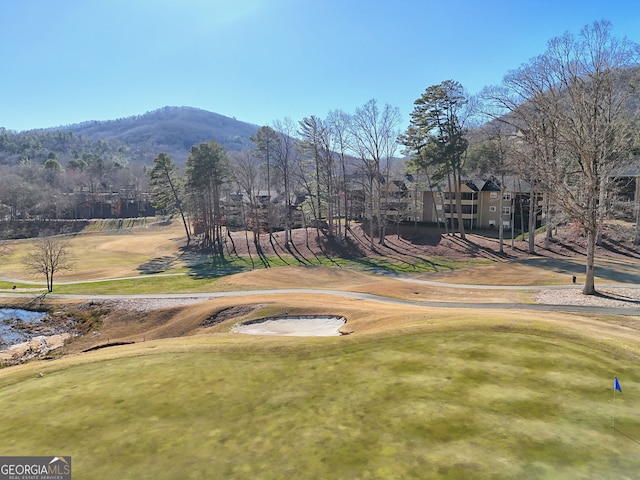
column 228, row 313
column 310, row 244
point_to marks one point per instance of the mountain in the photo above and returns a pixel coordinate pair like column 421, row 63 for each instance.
column 135, row 140
column 173, row 130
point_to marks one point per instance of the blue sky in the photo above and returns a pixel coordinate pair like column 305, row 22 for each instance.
column 67, row 61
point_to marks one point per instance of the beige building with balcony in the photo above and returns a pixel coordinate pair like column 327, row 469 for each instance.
column 484, row 204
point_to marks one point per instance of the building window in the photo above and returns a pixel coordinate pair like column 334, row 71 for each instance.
column 493, row 208
column 506, row 210
column 463, row 195
column 506, row 197
column 493, row 195
column 466, row 209
column 470, row 209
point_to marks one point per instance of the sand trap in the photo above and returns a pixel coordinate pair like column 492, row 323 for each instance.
column 299, row 326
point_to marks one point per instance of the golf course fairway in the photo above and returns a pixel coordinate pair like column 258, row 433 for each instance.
column 486, row 400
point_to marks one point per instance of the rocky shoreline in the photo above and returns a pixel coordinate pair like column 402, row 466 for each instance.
column 37, row 347
column 27, row 336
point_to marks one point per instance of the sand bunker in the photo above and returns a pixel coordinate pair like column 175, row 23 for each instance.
column 294, row 326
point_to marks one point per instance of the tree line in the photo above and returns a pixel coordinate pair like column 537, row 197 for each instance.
column 53, row 175
column 321, row 172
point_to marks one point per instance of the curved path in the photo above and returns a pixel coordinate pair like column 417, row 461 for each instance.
column 364, row 296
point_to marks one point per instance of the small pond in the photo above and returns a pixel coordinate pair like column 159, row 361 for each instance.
column 294, row 326
column 17, row 325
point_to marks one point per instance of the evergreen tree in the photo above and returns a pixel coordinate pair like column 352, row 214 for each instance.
column 206, row 172
column 165, row 185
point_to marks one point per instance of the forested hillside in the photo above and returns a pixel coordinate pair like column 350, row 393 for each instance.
column 136, row 140
column 173, row 130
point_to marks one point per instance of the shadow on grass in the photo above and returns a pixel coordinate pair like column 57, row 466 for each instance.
column 615, row 274
column 216, row 267
column 157, row 265
column 417, row 259
column 620, row 248
column 617, row 297
column 381, row 267
column 470, row 247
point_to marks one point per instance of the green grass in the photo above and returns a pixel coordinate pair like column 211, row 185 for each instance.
column 9, row 285
column 525, row 236
column 139, row 285
column 418, row 265
column 473, row 404
column 373, row 263
column 202, row 277
column 104, row 225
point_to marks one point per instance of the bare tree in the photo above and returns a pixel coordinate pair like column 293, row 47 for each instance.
column 375, row 141
column 310, row 146
column 18, row 194
column 317, row 142
column 283, row 162
column 266, row 142
column 245, row 171
column 490, row 154
column 570, row 111
column 339, row 122
column 50, row 255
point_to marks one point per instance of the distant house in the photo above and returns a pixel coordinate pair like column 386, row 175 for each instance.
column 627, row 180
column 266, row 210
column 394, row 200
column 125, row 203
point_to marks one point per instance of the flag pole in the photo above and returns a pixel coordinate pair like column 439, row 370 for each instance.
column 613, row 406
column 616, row 386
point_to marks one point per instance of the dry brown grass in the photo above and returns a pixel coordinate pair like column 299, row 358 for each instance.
column 353, row 281
column 114, row 255
column 125, row 253
column 504, row 273
column 364, row 318
column 104, row 255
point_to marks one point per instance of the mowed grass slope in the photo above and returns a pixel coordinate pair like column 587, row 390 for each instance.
column 413, row 393
column 483, row 402
column 104, row 254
